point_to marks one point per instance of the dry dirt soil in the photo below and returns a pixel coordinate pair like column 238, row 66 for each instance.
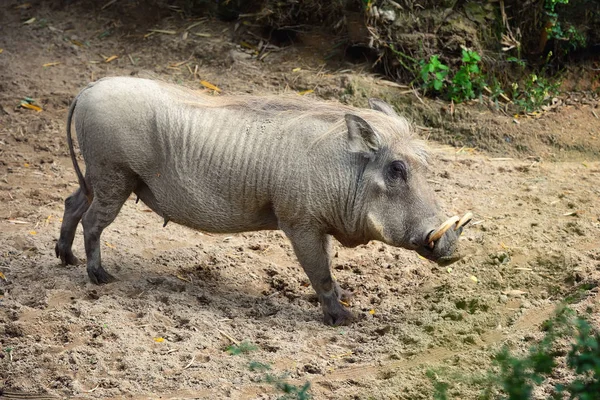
column 183, row 297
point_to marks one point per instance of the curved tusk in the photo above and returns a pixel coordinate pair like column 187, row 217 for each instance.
column 439, row 232
column 464, row 220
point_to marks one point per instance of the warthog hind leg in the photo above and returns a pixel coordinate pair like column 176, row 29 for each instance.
column 75, row 206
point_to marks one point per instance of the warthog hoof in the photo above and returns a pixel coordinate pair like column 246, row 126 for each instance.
column 334, row 313
column 99, row 276
column 65, row 254
column 339, row 317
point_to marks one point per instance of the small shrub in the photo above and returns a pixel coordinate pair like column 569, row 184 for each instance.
column 291, row 392
column 514, row 378
column 570, row 35
column 433, row 74
column 242, row 348
column 466, row 84
column 536, row 91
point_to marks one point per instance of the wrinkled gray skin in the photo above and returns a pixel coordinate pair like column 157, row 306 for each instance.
column 228, row 164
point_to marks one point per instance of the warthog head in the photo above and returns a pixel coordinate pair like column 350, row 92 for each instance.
column 398, row 206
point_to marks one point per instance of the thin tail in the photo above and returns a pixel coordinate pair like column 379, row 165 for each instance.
column 82, row 182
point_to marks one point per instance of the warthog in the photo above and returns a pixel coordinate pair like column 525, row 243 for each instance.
column 227, row 164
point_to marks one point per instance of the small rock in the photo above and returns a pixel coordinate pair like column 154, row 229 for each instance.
column 312, row 369
column 387, row 15
column 383, row 330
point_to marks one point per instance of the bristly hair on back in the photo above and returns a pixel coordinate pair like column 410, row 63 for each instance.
column 297, row 108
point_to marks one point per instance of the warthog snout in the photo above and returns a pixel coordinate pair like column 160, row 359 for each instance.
column 440, row 243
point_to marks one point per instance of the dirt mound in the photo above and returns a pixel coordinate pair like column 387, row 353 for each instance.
column 402, row 32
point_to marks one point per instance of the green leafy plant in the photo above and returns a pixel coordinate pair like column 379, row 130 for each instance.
column 290, row 391
column 515, row 378
column 521, row 63
column 241, row 348
column 555, row 30
column 496, row 91
column 550, row 5
column 584, row 359
column 433, row 74
column 440, row 389
column 535, row 91
column 468, row 82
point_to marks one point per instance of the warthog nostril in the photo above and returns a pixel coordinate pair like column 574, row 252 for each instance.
column 430, row 242
column 415, row 242
column 427, row 238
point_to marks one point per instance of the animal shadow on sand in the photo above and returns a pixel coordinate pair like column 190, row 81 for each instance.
column 203, row 288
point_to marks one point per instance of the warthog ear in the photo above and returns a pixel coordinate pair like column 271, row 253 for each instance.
column 380, row 105
column 361, row 136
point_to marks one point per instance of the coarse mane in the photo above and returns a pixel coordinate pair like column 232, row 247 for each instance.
column 295, row 108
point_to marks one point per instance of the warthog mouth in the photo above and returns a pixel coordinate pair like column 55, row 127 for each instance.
column 457, row 224
column 444, row 261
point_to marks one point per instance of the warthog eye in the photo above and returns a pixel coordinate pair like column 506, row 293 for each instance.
column 397, row 170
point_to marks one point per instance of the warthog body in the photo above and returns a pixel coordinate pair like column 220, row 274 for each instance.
column 245, row 163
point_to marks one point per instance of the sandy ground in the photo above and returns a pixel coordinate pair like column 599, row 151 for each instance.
column 182, row 297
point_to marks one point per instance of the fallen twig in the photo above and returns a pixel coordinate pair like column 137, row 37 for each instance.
column 228, row 337
column 166, row 32
column 190, row 363
column 110, row 3
column 92, row 390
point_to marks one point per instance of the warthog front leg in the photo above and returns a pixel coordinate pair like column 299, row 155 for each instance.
column 313, row 250
column 75, row 206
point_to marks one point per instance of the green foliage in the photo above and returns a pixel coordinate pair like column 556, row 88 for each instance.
column 469, row 82
column 290, row 391
column 496, row 91
column 570, row 35
column 255, row 366
column 433, row 74
column 535, row 91
column 528, row 88
column 584, row 359
column 242, row 348
column 515, row 378
column 440, row 389
column 517, row 61
column 466, row 84
column 550, row 5
column 409, row 63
